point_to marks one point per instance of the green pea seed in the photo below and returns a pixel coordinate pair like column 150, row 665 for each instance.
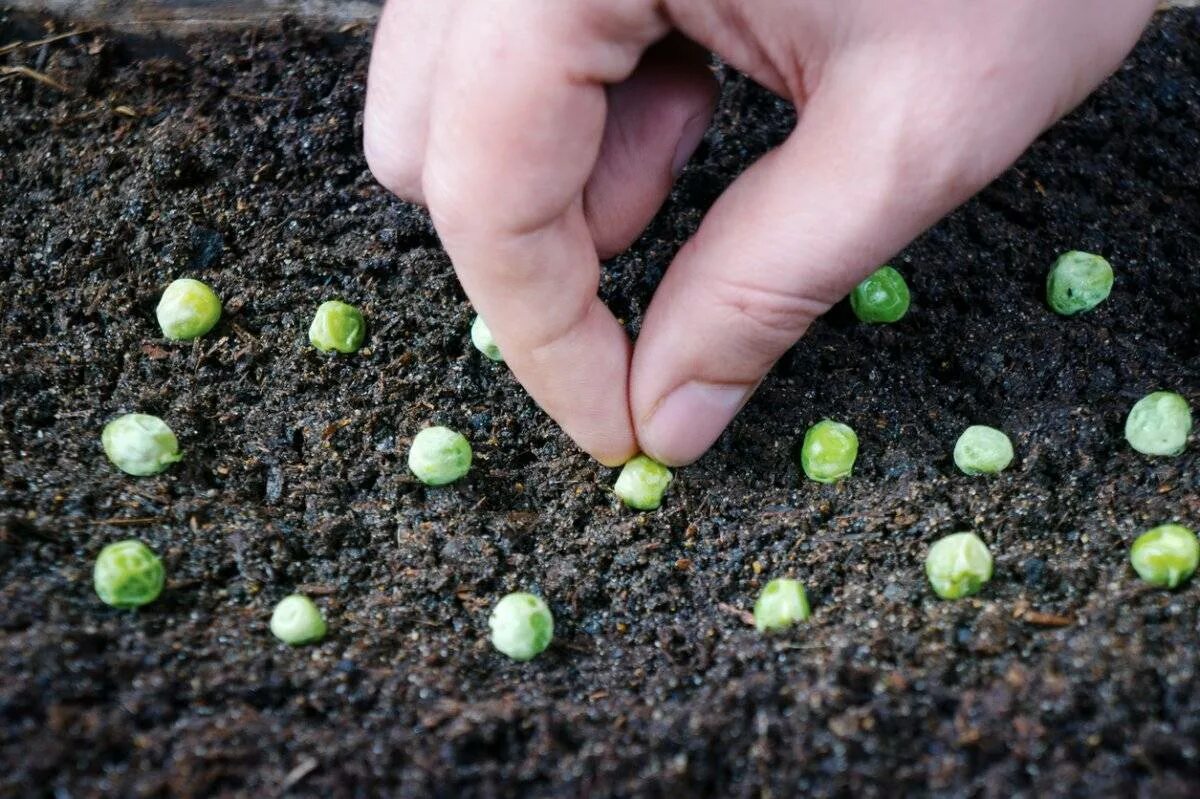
column 829, row 451
column 297, row 620
column 337, row 326
column 188, row 309
column 1078, row 282
column 1166, row 555
column 781, row 604
column 982, row 450
column 958, row 565
column 140, row 444
column 481, row 337
column 439, row 455
column 1159, row 424
column 882, row 297
column 127, row 574
column 642, row 483
column 521, row 626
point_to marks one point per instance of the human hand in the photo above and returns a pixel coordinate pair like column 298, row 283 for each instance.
column 544, row 135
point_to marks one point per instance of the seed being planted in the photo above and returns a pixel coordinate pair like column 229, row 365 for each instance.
column 1159, row 424
column 882, row 297
column 188, row 309
column 337, row 326
column 829, row 451
column 1078, row 282
column 127, row 574
column 642, row 483
column 521, row 626
column 958, row 565
column 140, row 444
column 982, row 450
column 297, row 620
column 439, row 455
column 481, row 337
column 781, row 604
column 1166, row 555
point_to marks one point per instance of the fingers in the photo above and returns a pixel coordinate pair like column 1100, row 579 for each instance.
column 400, row 83
column 655, row 121
column 515, row 130
column 872, row 163
column 788, row 239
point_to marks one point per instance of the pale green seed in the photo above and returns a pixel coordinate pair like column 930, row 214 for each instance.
column 297, row 620
column 982, row 450
column 481, row 337
column 521, row 626
column 140, row 444
column 127, row 574
column 337, row 326
column 1078, row 282
column 829, row 451
column 781, row 604
column 188, row 309
column 883, row 297
column 1166, row 555
column 958, row 565
column 642, row 483
column 1159, row 424
column 439, row 455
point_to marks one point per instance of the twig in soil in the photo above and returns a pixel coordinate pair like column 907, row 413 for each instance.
column 40, row 77
column 261, row 98
column 243, row 333
column 1047, row 619
column 122, row 521
column 744, row 616
column 1024, row 613
column 316, row 589
column 306, row 766
column 8, row 48
column 97, row 297
column 574, row 647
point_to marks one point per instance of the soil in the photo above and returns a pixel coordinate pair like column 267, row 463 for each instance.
column 236, row 158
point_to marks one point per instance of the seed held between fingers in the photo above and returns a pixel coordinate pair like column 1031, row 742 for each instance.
column 642, row 483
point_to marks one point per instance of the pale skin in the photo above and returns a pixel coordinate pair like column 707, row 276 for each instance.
column 543, row 135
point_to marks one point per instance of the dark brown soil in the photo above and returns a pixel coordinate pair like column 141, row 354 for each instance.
column 237, row 160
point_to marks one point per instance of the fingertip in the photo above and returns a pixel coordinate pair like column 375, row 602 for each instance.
column 615, row 456
column 681, row 426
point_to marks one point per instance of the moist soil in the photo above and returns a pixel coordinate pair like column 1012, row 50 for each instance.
column 236, row 158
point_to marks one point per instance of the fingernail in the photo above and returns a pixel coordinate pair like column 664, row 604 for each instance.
column 689, row 140
column 689, row 420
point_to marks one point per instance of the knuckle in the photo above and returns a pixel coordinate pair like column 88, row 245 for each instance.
column 769, row 318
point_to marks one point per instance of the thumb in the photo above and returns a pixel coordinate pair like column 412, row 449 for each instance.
column 793, row 235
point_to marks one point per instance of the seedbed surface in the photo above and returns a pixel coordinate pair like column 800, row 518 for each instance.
column 236, row 159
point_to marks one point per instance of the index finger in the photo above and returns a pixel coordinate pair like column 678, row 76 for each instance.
column 515, row 130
